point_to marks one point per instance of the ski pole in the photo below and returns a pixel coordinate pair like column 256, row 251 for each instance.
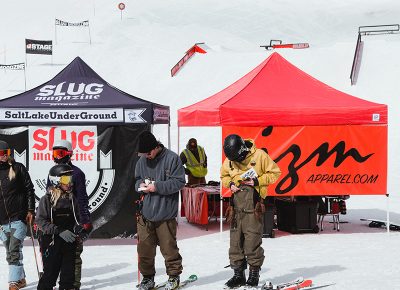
column 34, row 251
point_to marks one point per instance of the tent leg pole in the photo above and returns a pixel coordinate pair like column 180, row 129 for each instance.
column 180, row 192
column 221, row 207
column 387, row 214
column 169, row 136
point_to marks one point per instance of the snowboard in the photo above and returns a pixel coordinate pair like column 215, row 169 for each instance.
column 182, row 284
column 381, row 223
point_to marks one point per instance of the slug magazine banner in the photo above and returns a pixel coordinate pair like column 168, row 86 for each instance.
column 323, row 160
column 106, row 154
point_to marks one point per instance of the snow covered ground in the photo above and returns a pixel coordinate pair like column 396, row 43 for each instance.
column 136, row 54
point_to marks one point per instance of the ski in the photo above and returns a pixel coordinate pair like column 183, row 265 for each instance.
column 269, row 286
column 295, row 285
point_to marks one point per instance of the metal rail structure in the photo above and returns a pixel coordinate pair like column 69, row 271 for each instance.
column 363, row 31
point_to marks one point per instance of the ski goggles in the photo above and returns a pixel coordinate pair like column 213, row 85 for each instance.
column 65, row 179
column 61, row 153
column 5, row 152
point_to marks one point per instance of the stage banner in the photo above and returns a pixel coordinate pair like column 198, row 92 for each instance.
column 106, row 154
column 323, row 160
column 38, row 46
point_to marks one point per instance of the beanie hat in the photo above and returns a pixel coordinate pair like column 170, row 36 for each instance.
column 147, row 142
column 4, row 145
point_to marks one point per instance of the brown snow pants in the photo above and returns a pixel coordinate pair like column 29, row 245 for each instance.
column 161, row 233
column 246, row 232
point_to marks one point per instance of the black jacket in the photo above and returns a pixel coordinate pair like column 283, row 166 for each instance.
column 17, row 196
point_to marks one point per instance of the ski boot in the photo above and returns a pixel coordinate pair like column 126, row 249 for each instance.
column 238, row 279
column 173, row 283
column 254, row 277
column 147, row 283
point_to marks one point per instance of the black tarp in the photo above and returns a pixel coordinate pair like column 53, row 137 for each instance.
column 104, row 149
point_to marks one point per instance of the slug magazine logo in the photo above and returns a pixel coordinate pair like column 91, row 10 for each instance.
column 69, row 93
column 98, row 169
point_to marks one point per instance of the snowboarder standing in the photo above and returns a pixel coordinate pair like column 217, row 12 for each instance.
column 159, row 176
column 57, row 220
column 62, row 153
column 17, row 209
column 247, row 172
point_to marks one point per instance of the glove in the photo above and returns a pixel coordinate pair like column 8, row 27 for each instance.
column 229, row 214
column 259, row 210
column 83, row 231
column 30, row 218
column 67, row 236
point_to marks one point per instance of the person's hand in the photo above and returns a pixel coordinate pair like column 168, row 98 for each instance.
column 151, row 188
column 229, row 214
column 249, row 182
column 234, row 188
column 30, row 218
column 259, row 210
column 67, row 236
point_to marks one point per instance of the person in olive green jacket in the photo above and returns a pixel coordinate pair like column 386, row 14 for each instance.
column 247, row 172
column 195, row 160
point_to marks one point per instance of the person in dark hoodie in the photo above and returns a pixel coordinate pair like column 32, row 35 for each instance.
column 17, row 210
column 62, row 153
column 57, row 220
column 159, row 176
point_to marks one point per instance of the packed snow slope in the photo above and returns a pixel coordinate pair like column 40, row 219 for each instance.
column 136, row 53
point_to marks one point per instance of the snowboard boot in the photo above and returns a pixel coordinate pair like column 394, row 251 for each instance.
column 147, row 283
column 254, row 277
column 173, row 283
column 17, row 285
column 238, row 279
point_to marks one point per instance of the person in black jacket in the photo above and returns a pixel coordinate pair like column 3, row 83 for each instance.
column 57, row 219
column 17, row 209
column 62, row 153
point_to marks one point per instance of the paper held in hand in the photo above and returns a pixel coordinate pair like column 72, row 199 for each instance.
column 249, row 174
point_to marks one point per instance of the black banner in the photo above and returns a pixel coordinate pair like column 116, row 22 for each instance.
column 64, row 23
column 39, row 46
column 15, row 66
column 110, row 184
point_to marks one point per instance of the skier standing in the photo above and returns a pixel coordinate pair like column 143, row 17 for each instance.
column 159, row 176
column 17, row 209
column 62, row 153
column 57, row 217
column 247, row 172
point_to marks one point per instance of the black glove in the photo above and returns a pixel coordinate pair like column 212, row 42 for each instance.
column 68, row 236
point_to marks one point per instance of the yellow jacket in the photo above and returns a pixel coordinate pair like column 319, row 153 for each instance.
column 267, row 170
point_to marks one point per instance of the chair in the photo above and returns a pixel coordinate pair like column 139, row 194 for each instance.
column 332, row 208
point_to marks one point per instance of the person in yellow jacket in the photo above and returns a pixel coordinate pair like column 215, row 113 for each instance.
column 247, row 172
column 194, row 159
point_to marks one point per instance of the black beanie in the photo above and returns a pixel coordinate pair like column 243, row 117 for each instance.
column 147, row 142
column 4, row 145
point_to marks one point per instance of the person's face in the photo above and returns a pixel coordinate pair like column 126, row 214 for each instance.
column 152, row 154
column 4, row 155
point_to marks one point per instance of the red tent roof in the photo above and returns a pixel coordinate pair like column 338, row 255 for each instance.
column 278, row 93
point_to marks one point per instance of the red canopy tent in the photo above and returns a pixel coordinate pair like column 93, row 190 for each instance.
column 340, row 137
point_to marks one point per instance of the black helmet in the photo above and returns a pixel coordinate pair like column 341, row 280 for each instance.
column 60, row 174
column 234, row 147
